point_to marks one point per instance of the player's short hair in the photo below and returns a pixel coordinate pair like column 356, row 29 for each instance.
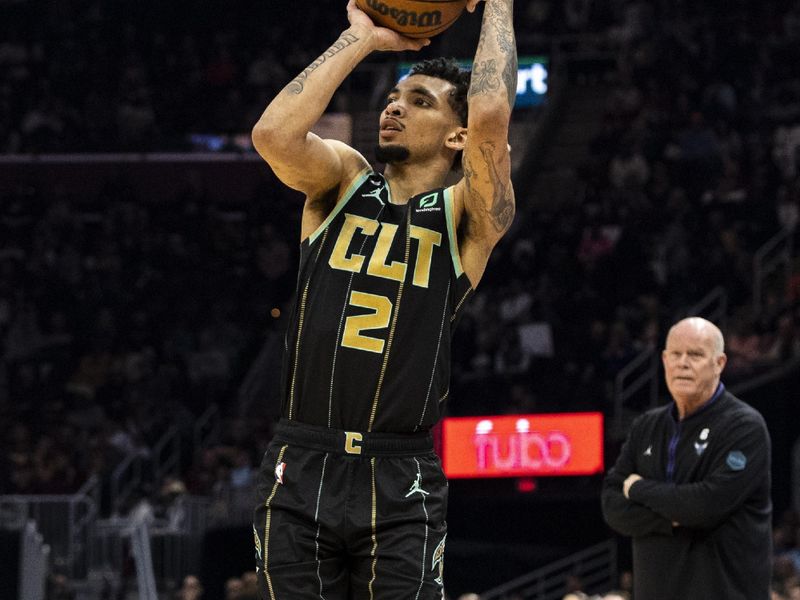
column 448, row 69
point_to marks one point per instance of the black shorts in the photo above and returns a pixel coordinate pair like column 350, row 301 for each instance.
column 345, row 515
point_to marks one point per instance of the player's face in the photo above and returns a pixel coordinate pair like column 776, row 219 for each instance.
column 692, row 365
column 418, row 116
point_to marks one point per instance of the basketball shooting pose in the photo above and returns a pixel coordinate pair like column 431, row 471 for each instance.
column 352, row 496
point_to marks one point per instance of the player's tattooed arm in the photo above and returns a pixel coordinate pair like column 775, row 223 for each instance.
column 283, row 136
column 498, row 208
column 488, row 193
column 485, row 195
column 496, row 52
column 297, row 85
column 484, row 77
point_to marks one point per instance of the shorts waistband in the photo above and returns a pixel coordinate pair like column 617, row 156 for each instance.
column 353, row 442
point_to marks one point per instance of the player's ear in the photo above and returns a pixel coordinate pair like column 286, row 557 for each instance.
column 457, row 139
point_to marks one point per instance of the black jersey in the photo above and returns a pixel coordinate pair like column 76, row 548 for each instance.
column 379, row 293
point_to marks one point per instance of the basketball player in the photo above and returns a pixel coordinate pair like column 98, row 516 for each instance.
column 692, row 482
column 353, row 498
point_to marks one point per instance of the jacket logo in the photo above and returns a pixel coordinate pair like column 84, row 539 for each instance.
column 700, row 446
column 649, row 451
column 736, row 460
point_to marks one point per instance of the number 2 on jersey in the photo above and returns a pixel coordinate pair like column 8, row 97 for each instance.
column 378, row 319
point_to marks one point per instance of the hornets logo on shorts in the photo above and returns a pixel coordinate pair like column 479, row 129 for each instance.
column 258, row 543
column 438, row 561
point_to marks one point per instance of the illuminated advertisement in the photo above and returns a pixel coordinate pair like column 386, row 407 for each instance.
column 531, row 79
column 523, row 445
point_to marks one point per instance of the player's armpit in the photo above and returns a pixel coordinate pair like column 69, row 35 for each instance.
column 307, row 164
column 319, row 205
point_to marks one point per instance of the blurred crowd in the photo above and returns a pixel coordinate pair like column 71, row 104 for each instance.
column 122, row 317
column 85, row 76
column 694, row 168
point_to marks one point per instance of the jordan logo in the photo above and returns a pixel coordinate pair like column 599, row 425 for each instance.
column 649, row 451
column 376, row 193
column 415, row 487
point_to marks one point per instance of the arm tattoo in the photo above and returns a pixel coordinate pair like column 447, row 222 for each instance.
column 297, row 85
column 498, row 19
column 510, row 79
column 484, row 77
column 501, row 19
column 500, row 209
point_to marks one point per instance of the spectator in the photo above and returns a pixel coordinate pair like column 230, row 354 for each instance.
column 191, row 589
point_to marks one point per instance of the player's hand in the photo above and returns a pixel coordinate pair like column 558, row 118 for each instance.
column 383, row 37
column 472, row 5
column 626, row 485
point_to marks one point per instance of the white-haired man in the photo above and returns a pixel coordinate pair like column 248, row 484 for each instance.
column 691, row 485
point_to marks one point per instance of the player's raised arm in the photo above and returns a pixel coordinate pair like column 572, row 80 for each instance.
column 283, row 135
column 485, row 196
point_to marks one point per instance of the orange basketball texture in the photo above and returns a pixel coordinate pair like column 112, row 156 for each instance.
column 414, row 18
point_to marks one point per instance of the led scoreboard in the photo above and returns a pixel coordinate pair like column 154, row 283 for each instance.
column 523, row 445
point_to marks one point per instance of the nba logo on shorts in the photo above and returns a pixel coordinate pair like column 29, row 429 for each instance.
column 279, row 468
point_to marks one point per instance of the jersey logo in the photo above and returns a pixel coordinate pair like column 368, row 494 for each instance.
column 279, row 469
column 345, row 258
column 438, row 561
column 736, row 460
column 649, row 451
column 428, row 203
column 416, row 488
column 376, row 193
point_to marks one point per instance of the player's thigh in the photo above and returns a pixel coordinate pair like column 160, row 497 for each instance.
column 297, row 554
column 404, row 558
column 326, row 578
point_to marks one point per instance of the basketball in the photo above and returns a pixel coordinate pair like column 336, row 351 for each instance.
column 414, row 18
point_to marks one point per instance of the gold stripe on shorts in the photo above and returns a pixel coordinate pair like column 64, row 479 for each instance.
column 374, row 552
column 267, row 524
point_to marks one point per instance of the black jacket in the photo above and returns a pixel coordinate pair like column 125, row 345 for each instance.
column 709, row 474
